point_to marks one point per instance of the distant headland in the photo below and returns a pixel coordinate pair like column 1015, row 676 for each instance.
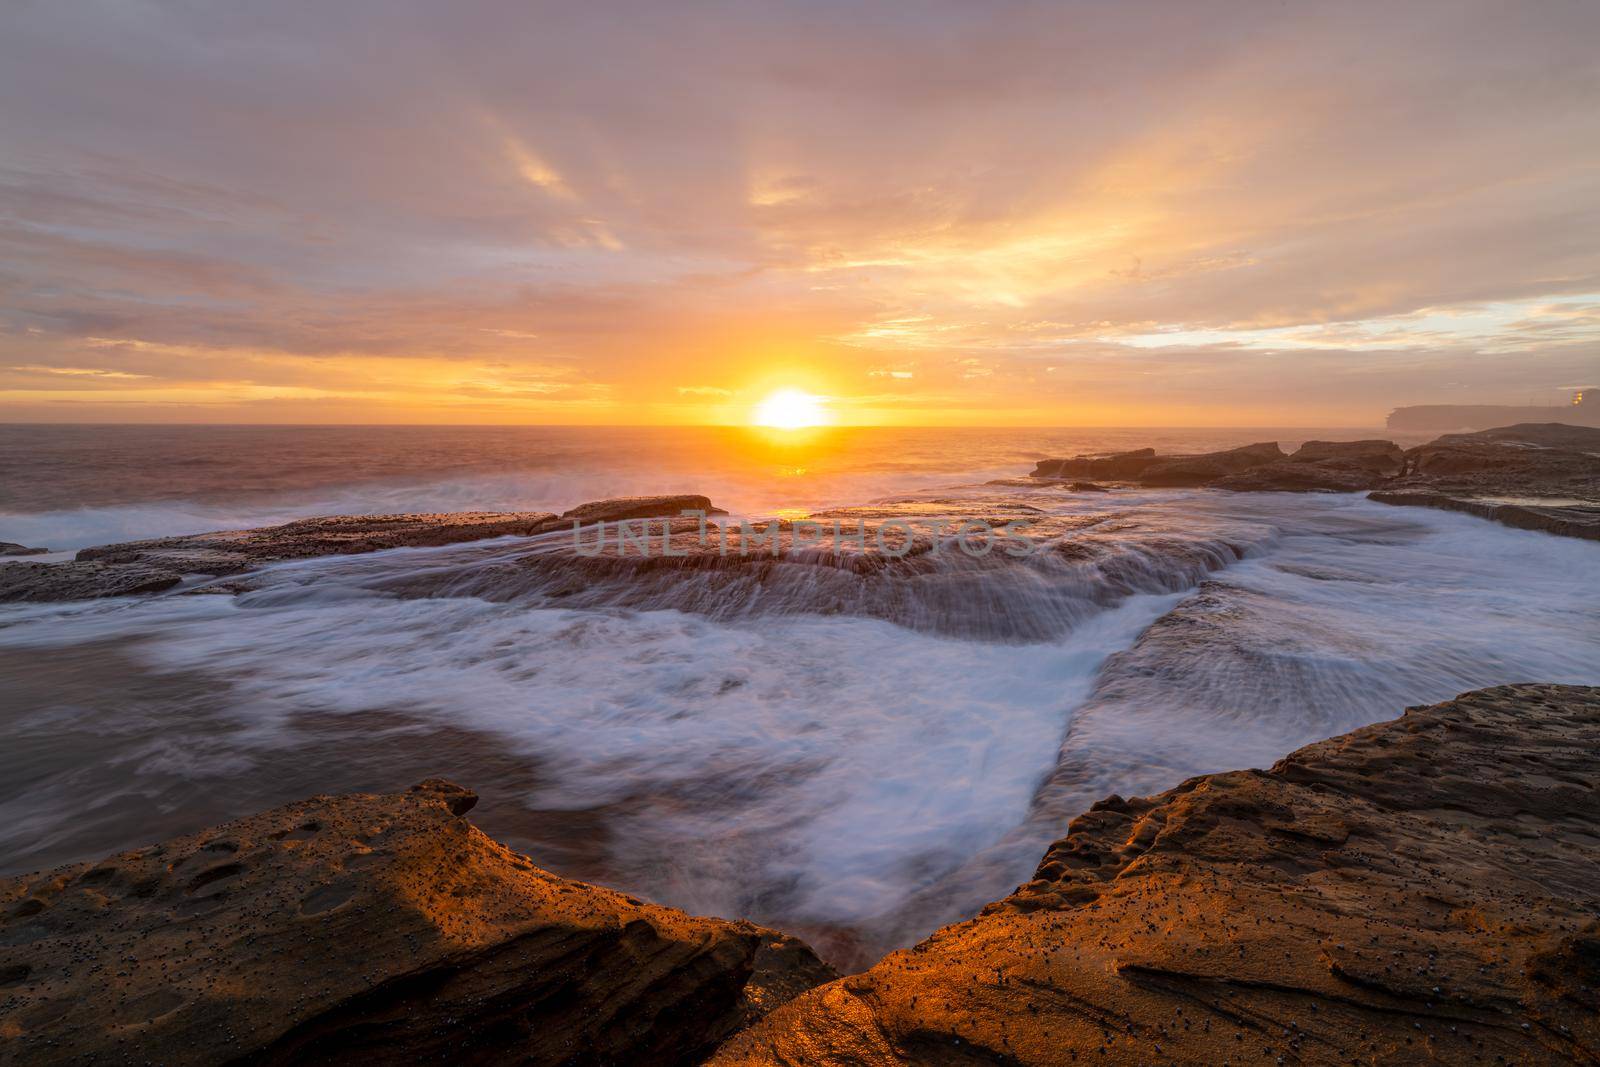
column 1583, row 410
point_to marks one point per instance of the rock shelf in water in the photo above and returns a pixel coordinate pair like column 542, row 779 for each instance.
column 1425, row 889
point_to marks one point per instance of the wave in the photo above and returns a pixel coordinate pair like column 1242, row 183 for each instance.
column 858, row 757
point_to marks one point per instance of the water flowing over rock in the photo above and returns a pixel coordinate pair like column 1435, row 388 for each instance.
column 232, row 551
column 155, row 565
column 373, row 928
column 1533, row 476
column 889, row 562
column 1424, row 889
column 1570, row 520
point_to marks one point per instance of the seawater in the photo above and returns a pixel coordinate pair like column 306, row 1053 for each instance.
column 854, row 761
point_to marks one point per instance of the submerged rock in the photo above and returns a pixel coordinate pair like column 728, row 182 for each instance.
column 1424, row 889
column 366, row 928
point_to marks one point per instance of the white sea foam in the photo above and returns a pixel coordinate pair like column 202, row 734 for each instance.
column 812, row 770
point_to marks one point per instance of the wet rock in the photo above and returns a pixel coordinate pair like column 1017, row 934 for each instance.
column 1382, row 456
column 639, row 507
column 366, row 928
column 1292, row 477
column 11, row 548
column 1540, row 434
column 232, row 551
column 1117, row 465
column 1147, row 468
column 1566, row 521
column 42, row 582
column 160, row 563
column 1422, row 889
column 1534, row 476
column 1180, row 471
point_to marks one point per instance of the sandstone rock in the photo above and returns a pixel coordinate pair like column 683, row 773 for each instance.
column 1147, row 468
column 1570, row 521
column 41, row 582
column 1534, row 476
column 1292, row 477
column 1117, row 465
column 1424, row 889
column 362, row 928
column 1540, row 434
column 639, row 507
column 160, row 563
column 1179, row 471
column 232, row 551
column 1378, row 454
column 11, row 548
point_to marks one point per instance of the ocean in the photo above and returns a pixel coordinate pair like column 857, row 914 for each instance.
column 856, row 761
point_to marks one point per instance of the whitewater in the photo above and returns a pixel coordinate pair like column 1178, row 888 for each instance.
column 856, row 758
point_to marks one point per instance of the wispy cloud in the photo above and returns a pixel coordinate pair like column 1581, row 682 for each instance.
column 558, row 213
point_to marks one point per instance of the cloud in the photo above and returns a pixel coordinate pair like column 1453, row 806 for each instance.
column 1189, row 210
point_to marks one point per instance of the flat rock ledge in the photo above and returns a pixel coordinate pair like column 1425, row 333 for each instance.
column 1533, row 476
column 373, row 929
column 152, row 566
column 1422, row 890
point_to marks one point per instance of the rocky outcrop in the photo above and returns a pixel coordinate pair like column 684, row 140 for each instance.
column 1538, row 434
column 41, row 582
column 1424, row 889
column 1182, row 471
column 378, row 929
column 233, row 551
column 155, row 565
column 11, row 548
column 1145, row 467
column 1572, row 520
column 1533, row 476
column 640, row 507
column 1376, row 455
column 1327, row 466
column 1543, row 476
column 1118, row 465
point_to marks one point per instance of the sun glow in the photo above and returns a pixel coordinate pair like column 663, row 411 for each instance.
column 790, row 409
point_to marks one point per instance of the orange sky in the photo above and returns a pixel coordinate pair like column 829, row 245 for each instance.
column 1055, row 214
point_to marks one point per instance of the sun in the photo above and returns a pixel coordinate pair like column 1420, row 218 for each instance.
column 790, row 409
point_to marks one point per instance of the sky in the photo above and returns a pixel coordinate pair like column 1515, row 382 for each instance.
column 1188, row 213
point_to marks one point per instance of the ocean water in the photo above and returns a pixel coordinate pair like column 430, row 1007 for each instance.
column 857, row 759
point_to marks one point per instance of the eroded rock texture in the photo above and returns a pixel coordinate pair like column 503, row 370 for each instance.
column 1422, row 890
column 155, row 565
column 365, row 928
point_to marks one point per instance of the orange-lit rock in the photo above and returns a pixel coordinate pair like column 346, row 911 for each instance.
column 1422, row 890
column 366, row 929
